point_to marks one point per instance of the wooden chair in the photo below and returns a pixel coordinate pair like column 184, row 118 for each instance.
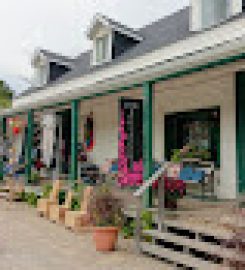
column 57, row 212
column 15, row 188
column 8, row 184
column 76, row 219
column 43, row 204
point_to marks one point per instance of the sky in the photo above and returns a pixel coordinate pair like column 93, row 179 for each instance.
column 60, row 26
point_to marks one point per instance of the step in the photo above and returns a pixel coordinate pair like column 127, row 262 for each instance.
column 203, row 229
column 196, row 244
column 175, row 257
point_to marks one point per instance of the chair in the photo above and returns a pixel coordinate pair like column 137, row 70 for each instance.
column 57, row 212
column 76, row 219
column 15, row 188
column 43, row 204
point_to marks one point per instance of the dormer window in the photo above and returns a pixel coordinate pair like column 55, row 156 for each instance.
column 110, row 39
column 213, row 12
column 102, row 49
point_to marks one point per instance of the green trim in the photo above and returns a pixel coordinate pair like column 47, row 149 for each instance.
column 3, row 132
column 240, row 130
column 147, row 139
column 74, row 139
column 28, row 153
column 177, row 74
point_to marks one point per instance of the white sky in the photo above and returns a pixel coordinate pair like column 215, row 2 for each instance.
column 59, row 26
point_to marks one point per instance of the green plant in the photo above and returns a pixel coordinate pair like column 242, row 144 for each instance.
column 46, row 190
column 62, row 197
column 78, row 187
column 35, row 178
column 32, row 199
column 105, row 209
column 190, row 152
column 129, row 226
column 75, row 204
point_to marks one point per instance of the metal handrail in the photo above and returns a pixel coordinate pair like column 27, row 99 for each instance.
column 138, row 193
column 150, row 182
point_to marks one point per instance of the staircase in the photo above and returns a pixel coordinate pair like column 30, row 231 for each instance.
column 189, row 240
column 186, row 248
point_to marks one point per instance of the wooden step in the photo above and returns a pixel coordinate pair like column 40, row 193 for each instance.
column 175, row 257
column 196, row 244
column 212, row 230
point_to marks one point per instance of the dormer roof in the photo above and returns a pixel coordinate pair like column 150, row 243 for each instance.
column 100, row 19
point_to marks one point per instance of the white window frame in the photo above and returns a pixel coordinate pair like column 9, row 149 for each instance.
column 105, row 56
column 216, row 20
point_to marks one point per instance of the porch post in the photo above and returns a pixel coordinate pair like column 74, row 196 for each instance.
column 147, row 139
column 3, row 131
column 29, row 144
column 74, row 139
column 240, row 130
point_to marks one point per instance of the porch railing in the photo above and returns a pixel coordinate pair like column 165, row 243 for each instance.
column 139, row 194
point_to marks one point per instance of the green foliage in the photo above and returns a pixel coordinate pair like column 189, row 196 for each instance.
column 75, row 204
column 46, row 189
column 78, row 187
column 190, row 152
column 6, row 95
column 62, row 197
column 129, row 226
column 32, row 199
column 22, row 196
column 105, row 209
column 35, row 178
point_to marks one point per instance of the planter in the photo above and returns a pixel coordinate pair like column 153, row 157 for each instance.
column 105, row 238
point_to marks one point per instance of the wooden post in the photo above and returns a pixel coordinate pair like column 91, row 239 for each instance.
column 161, row 202
column 138, row 224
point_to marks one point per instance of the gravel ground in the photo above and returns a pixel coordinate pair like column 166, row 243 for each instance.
column 28, row 242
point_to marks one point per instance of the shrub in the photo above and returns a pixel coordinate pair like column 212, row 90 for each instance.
column 46, row 189
column 104, row 208
column 32, row 199
column 129, row 226
column 75, row 204
column 62, row 197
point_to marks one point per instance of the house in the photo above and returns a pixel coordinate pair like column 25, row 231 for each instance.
column 188, row 65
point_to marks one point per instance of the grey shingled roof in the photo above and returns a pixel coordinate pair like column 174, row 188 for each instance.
column 117, row 26
column 161, row 33
column 57, row 57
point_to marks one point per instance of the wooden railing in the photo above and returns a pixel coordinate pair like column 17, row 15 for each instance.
column 139, row 194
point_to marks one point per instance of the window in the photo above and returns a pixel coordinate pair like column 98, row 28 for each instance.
column 243, row 5
column 213, row 12
column 102, row 49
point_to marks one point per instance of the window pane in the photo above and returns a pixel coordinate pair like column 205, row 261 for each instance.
column 213, row 11
column 101, row 48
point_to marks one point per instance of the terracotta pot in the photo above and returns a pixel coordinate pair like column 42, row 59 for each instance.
column 105, row 238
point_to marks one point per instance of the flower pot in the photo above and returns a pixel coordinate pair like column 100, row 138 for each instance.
column 105, row 238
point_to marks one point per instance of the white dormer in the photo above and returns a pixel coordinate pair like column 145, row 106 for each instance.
column 102, row 32
column 207, row 13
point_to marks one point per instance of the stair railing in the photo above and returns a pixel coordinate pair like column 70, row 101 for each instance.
column 139, row 194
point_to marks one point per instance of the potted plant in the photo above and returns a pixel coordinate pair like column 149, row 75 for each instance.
column 106, row 215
